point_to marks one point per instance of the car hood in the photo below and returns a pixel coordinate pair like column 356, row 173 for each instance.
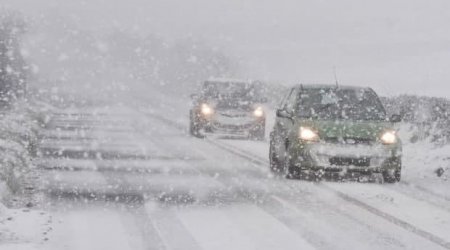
column 369, row 130
column 233, row 105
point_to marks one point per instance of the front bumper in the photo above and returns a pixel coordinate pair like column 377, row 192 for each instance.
column 243, row 125
column 330, row 157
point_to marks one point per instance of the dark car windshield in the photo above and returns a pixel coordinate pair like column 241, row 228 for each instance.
column 231, row 91
column 345, row 104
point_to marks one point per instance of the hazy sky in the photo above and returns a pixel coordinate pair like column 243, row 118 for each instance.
column 396, row 46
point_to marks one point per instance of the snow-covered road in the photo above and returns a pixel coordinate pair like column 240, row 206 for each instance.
column 118, row 178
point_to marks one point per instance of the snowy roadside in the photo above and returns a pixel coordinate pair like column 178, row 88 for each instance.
column 421, row 161
column 19, row 224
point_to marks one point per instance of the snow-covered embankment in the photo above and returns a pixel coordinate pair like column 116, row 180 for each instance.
column 19, row 128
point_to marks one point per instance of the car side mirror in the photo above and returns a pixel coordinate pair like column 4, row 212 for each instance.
column 282, row 113
column 395, row 118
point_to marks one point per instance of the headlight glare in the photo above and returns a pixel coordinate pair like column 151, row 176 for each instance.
column 258, row 112
column 206, row 109
column 389, row 137
column 308, row 134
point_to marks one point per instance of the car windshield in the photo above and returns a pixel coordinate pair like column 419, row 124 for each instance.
column 340, row 104
column 231, row 91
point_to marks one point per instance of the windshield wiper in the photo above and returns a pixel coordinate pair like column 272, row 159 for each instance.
column 324, row 107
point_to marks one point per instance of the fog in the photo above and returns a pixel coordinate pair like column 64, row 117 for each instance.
column 394, row 46
column 114, row 136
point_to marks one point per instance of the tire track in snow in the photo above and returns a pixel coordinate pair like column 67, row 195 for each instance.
column 313, row 237
column 398, row 222
column 392, row 219
column 169, row 228
column 426, row 190
column 135, row 215
column 424, row 196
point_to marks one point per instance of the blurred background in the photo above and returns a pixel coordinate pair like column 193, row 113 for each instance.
column 81, row 52
column 397, row 47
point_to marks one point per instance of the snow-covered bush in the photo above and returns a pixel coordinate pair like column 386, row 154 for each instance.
column 428, row 117
column 18, row 142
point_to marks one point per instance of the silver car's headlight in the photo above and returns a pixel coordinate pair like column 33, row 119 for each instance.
column 258, row 112
column 308, row 134
column 389, row 137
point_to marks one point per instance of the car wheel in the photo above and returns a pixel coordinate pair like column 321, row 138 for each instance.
column 392, row 177
column 275, row 165
column 194, row 129
column 290, row 171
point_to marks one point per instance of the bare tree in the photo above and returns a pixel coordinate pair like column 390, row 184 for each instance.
column 13, row 68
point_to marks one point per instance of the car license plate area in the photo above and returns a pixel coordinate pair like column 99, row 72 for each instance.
column 240, row 121
column 350, row 161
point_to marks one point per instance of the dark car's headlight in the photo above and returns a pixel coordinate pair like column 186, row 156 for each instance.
column 206, row 109
column 308, row 134
column 258, row 112
column 389, row 137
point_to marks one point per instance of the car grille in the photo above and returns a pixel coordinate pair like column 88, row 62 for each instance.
column 234, row 115
column 349, row 140
column 232, row 126
column 348, row 161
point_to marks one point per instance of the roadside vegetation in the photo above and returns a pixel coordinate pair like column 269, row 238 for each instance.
column 19, row 123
